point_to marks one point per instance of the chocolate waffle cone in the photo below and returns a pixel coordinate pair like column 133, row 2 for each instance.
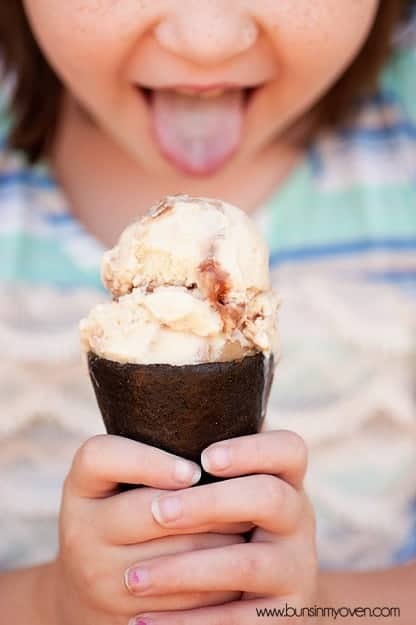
column 182, row 409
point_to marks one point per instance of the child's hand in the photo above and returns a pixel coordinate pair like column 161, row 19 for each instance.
column 277, row 566
column 104, row 533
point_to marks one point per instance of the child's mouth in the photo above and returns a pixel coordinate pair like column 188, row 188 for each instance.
column 198, row 130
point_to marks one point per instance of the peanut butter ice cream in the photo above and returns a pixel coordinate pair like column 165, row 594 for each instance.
column 190, row 284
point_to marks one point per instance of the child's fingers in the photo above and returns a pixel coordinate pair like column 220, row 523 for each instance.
column 264, row 500
column 105, row 461
column 105, row 576
column 127, row 519
column 254, row 568
column 281, row 453
column 173, row 545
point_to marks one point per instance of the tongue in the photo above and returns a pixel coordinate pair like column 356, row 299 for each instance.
column 198, row 134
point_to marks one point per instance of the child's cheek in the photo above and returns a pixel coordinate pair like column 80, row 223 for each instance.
column 322, row 25
column 315, row 40
column 86, row 35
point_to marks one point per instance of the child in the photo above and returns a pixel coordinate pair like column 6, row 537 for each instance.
column 282, row 109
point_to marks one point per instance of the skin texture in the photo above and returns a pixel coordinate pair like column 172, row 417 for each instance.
column 189, row 571
column 103, row 49
column 279, row 562
column 103, row 532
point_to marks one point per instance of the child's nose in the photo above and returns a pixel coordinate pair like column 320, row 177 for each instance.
column 207, row 32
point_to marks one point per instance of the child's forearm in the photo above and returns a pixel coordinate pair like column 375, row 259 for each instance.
column 392, row 589
column 27, row 596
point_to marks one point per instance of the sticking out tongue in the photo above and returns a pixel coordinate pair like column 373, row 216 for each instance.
column 198, row 134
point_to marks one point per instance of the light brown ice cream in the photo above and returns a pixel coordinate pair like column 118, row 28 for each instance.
column 190, row 284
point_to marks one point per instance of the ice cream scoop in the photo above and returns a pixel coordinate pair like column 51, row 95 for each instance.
column 183, row 356
column 190, row 283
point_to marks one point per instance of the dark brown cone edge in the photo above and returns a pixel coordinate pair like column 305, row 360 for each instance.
column 182, row 409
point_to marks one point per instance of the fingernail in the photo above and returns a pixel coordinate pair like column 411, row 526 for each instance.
column 216, row 458
column 187, row 472
column 167, row 509
column 136, row 580
column 139, row 621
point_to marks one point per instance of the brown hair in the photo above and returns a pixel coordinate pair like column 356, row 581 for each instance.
column 37, row 96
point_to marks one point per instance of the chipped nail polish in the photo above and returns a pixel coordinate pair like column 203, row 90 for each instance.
column 136, row 580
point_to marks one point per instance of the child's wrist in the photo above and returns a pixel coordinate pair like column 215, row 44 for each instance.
column 45, row 595
column 27, row 595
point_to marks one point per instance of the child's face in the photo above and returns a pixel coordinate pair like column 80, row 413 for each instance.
column 198, row 81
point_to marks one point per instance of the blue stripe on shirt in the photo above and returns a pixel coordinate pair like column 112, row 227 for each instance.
column 26, row 177
column 302, row 254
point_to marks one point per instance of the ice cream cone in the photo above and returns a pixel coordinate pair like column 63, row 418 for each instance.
column 182, row 409
column 183, row 355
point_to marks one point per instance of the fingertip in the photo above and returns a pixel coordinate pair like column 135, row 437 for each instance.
column 167, row 509
column 156, row 511
column 216, row 458
column 187, row 473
